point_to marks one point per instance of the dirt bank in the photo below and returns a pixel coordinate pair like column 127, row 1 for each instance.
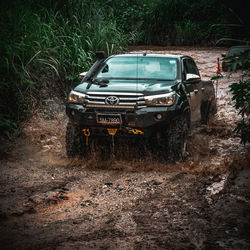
column 127, row 201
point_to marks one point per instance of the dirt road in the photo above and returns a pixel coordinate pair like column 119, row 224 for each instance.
column 127, row 201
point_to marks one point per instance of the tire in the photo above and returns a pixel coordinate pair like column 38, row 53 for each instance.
column 205, row 113
column 208, row 110
column 177, row 139
column 73, row 140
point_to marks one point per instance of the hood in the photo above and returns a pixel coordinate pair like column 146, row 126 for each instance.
column 146, row 87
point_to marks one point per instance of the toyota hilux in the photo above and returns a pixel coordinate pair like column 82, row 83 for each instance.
column 156, row 97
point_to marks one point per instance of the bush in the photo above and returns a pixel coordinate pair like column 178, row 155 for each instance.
column 43, row 49
column 241, row 94
column 188, row 33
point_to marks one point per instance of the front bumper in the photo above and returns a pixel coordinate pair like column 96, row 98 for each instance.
column 144, row 119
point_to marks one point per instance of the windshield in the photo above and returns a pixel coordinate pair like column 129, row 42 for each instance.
column 139, row 68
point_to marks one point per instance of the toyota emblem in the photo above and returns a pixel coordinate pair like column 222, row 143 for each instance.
column 112, row 100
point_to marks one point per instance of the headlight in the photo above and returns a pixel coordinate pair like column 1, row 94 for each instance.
column 160, row 100
column 76, row 97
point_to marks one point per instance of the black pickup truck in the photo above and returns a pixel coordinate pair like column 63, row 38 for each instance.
column 157, row 97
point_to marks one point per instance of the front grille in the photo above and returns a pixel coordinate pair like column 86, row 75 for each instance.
column 126, row 100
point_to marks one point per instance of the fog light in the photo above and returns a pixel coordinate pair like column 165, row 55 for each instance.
column 159, row 116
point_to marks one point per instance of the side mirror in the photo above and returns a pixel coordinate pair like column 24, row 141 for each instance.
column 192, row 78
column 100, row 55
column 81, row 75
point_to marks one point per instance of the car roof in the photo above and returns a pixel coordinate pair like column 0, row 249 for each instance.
column 148, row 55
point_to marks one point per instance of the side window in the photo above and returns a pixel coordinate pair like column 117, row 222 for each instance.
column 190, row 67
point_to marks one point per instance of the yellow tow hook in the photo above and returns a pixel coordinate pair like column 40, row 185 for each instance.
column 136, row 131
column 87, row 134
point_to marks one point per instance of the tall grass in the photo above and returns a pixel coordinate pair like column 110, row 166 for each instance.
column 181, row 22
column 46, row 49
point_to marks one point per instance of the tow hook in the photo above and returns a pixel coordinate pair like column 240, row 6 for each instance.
column 136, row 131
column 87, row 134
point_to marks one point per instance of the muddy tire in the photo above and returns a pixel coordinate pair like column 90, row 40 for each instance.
column 206, row 113
column 73, row 140
column 177, row 139
column 208, row 110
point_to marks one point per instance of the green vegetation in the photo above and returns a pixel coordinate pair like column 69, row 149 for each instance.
column 45, row 44
column 240, row 91
column 241, row 94
column 45, row 47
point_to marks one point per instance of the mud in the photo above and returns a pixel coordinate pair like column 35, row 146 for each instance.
column 127, row 200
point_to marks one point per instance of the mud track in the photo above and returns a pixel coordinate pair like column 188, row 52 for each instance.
column 126, row 200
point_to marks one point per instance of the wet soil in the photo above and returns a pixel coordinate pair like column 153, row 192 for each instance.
column 127, row 200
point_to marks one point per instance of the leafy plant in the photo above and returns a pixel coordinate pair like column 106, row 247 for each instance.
column 44, row 46
column 8, row 128
column 241, row 94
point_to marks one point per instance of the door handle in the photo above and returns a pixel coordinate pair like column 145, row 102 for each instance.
column 196, row 91
column 202, row 89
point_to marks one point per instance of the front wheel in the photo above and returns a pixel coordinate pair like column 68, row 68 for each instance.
column 177, row 139
column 208, row 109
column 74, row 145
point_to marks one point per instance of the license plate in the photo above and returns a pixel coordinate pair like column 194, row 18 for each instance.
column 109, row 119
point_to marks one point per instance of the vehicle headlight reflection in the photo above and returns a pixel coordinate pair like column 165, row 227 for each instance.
column 160, row 100
column 76, row 97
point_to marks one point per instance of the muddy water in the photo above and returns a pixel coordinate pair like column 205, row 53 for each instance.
column 128, row 201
